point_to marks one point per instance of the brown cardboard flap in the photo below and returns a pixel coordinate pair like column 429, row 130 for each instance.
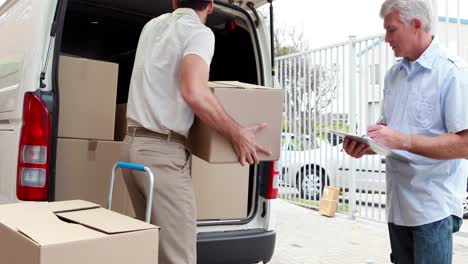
column 15, row 230
column 16, row 215
column 73, row 205
column 98, row 219
column 46, row 228
column 10, row 213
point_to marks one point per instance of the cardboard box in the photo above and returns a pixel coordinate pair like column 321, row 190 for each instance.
column 221, row 190
column 248, row 105
column 120, row 122
column 328, row 207
column 88, row 91
column 73, row 232
column 331, row 193
column 83, row 171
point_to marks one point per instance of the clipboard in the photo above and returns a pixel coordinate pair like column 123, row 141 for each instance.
column 374, row 146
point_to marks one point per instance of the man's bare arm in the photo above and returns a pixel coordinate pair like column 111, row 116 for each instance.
column 443, row 147
column 195, row 92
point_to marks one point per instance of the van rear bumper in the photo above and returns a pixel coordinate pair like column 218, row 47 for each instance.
column 239, row 247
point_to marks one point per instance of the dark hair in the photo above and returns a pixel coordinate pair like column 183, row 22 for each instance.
column 197, row 5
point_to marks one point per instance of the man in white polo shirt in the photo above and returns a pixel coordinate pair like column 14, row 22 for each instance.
column 169, row 83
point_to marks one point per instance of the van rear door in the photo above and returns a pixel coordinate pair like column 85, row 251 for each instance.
column 25, row 29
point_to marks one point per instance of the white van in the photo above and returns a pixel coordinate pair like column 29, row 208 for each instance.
column 36, row 32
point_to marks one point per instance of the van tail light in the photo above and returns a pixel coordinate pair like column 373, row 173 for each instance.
column 33, row 156
column 273, row 181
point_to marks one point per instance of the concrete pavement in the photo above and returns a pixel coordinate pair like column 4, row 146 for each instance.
column 304, row 236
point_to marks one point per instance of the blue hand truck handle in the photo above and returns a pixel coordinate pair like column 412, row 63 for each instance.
column 130, row 166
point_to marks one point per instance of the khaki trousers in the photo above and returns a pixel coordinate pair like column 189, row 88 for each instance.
column 174, row 207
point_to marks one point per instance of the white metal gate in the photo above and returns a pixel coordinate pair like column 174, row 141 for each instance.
column 340, row 87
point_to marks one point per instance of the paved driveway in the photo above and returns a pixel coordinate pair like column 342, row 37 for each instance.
column 304, row 236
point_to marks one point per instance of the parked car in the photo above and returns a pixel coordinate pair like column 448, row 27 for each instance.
column 35, row 34
column 310, row 165
column 303, row 164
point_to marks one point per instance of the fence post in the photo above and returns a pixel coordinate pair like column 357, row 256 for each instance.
column 352, row 122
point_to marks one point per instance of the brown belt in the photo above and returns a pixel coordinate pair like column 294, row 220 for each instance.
column 143, row 132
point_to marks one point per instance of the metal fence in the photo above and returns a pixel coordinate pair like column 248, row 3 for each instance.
column 338, row 87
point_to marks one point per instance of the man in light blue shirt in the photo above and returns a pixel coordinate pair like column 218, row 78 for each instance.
column 425, row 118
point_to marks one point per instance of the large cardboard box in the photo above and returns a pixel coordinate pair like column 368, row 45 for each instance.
column 221, row 190
column 73, row 232
column 84, row 169
column 248, row 105
column 88, row 91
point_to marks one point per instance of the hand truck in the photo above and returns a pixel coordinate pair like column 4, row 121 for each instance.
column 137, row 167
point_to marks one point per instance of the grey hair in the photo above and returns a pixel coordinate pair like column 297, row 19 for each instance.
column 409, row 10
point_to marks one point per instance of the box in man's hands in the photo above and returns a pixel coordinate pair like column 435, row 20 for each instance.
column 248, row 105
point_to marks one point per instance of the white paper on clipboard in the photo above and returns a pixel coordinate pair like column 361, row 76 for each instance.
column 374, row 146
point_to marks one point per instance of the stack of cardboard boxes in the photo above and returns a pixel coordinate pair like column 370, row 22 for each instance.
column 92, row 126
column 86, row 150
column 77, row 231
column 221, row 183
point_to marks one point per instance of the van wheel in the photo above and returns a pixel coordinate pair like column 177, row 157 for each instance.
column 311, row 183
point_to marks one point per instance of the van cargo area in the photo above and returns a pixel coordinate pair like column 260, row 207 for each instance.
column 99, row 41
column 63, row 100
column 109, row 31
